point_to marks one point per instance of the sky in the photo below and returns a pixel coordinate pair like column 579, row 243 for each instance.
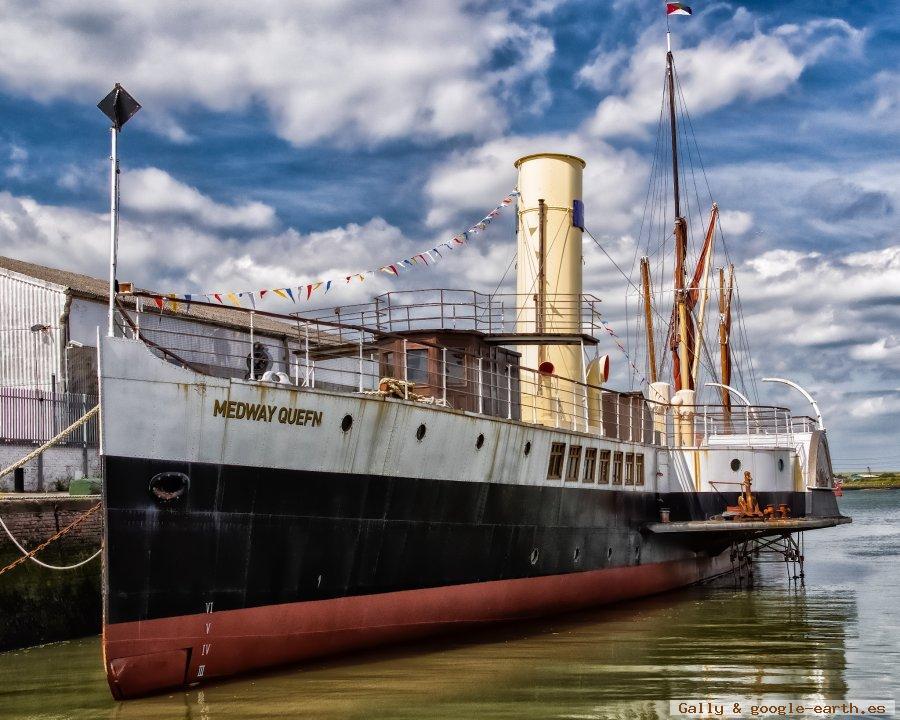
column 277, row 146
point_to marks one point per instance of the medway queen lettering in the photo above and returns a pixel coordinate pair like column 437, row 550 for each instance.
column 237, row 410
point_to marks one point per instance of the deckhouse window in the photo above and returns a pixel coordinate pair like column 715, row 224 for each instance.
column 590, row 465
column 557, row 455
column 417, row 365
column 617, row 469
column 574, row 463
column 603, row 475
column 629, row 468
column 456, row 367
column 639, row 469
column 387, row 365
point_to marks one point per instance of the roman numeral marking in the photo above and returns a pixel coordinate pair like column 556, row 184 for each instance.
column 205, row 649
column 209, row 607
column 208, row 626
column 201, row 670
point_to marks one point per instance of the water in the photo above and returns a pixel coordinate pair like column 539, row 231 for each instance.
column 837, row 638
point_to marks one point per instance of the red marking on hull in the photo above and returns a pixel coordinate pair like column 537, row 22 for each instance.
column 231, row 642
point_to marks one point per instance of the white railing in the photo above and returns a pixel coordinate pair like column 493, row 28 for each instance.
column 316, row 353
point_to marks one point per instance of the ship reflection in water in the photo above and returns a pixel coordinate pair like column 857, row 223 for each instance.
column 835, row 639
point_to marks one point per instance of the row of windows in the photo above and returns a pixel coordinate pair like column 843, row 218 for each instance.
column 595, row 465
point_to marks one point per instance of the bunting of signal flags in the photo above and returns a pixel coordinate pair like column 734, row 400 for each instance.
column 615, row 337
column 248, row 298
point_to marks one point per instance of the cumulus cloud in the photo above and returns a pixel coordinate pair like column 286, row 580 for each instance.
column 613, row 179
column 346, row 71
column 151, row 190
column 714, row 72
column 837, row 199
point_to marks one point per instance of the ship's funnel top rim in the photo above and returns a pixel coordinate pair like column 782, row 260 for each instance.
column 560, row 156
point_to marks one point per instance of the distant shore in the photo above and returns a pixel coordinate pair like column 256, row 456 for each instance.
column 873, row 481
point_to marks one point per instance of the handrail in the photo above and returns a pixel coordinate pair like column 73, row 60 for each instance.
column 351, row 357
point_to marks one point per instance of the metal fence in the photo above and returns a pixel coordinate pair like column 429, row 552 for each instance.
column 35, row 416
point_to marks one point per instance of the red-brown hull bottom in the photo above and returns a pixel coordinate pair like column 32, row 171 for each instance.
column 148, row 656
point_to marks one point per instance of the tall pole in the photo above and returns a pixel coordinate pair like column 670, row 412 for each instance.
column 113, row 221
column 648, row 318
column 670, row 80
column 680, row 334
column 724, row 332
column 119, row 107
column 704, row 290
column 542, row 265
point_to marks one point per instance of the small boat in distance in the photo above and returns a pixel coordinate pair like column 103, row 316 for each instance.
column 430, row 461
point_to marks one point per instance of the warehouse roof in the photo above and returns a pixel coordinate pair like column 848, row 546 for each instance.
column 91, row 288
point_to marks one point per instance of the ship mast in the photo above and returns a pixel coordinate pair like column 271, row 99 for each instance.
column 648, row 318
column 681, row 330
column 725, row 335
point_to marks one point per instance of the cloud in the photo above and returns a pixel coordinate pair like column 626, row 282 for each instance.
column 837, row 199
column 347, row 71
column 886, row 106
column 735, row 222
column 614, row 180
column 887, row 404
column 154, row 191
column 713, row 73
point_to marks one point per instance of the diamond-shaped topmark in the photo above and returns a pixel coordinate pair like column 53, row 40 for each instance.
column 119, row 106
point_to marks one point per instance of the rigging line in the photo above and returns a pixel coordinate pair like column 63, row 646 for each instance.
column 505, row 272
column 653, row 172
column 622, row 272
column 742, row 331
column 521, row 309
column 696, row 146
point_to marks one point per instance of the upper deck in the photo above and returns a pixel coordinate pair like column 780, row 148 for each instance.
column 453, row 349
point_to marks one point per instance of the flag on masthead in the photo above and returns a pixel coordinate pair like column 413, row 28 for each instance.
column 677, row 8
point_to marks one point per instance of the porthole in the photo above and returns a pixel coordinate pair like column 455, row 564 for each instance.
column 534, row 556
column 479, row 442
column 608, row 553
column 527, row 447
column 780, row 464
column 735, row 464
column 420, row 432
column 169, row 486
column 346, row 423
column 576, row 556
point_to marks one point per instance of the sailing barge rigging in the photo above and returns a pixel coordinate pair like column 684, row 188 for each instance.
column 432, row 460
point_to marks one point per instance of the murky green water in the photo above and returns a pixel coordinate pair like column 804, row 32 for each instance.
column 839, row 637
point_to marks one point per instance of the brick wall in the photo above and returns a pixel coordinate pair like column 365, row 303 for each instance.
column 39, row 605
column 57, row 466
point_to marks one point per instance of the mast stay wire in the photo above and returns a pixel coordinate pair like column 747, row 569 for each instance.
column 651, row 205
column 743, row 336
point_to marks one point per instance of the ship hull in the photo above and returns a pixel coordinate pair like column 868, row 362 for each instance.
column 256, row 567
column 151, row 656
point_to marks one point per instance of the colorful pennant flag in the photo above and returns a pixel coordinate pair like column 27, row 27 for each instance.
column 420, row 258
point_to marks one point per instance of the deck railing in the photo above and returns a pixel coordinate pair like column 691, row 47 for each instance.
column 356, row 358
column 445, row 309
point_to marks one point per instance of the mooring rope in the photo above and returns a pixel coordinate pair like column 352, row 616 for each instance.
column 50, row 443
column 29, row 554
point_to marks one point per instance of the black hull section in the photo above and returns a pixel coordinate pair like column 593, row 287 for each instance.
column 245, row 537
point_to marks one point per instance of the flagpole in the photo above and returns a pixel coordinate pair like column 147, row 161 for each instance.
column 119, row 107
column 113, row 221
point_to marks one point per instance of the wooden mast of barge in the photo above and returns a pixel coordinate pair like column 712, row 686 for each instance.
column 725, row 335
column 680, row 332
column 648, row 318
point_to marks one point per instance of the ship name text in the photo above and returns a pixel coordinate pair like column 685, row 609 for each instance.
column 238, row 410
